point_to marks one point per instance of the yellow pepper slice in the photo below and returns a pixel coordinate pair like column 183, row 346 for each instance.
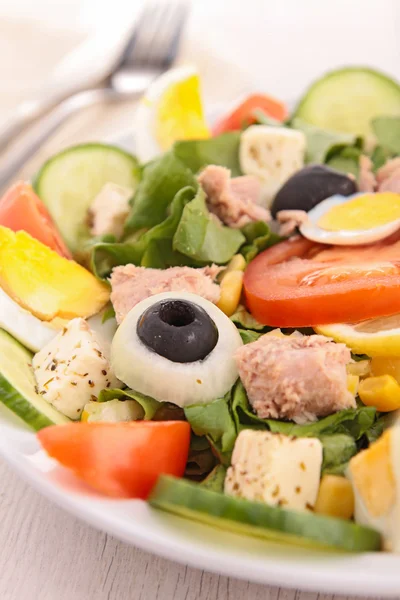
column 383, row 392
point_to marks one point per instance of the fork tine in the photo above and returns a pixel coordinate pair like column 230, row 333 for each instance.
column 155, row 40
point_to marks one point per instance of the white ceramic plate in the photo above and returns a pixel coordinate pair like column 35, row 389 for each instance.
column 133, row 521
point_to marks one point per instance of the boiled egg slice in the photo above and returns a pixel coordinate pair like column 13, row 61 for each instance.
column 353, row 220
column 171, row 110
column 24, row 326
column 375, row 475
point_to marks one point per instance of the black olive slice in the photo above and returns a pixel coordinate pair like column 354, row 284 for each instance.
column 178, row 330
column 309, row 186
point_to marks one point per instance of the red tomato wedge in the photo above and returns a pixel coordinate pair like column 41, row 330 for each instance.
column 120, row 460
column 244, row 113
column 22, row 209
column 299, row 283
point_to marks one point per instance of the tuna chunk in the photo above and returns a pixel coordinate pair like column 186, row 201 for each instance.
column 290, row 220
column 297, row 378
column 366, row 177
column 388, row 176
column 130, row 284
column 233, row 201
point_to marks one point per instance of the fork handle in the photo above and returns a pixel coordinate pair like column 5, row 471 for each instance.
column 17, row 158
column 27, row 113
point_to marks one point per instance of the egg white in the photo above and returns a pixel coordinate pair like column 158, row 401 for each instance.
column 25, row 327
column 183, row 384
column 312, row 231
column 146, row 145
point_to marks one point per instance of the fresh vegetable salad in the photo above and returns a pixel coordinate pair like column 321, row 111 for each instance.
column 213, row 325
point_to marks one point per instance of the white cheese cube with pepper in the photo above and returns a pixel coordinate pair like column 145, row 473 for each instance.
column 109, row 210
column 273, row 154
column 276, row 469
column 73, row 368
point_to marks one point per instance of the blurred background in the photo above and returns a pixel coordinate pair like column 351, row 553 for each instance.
column 276, row 47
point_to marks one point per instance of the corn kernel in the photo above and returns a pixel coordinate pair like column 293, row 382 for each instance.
column 84, row 415
column 352, row 384
column 231, row 290
column 383, row 392
column 386, row 365
column 362, row 368
column 335, row 497
column 237, row 263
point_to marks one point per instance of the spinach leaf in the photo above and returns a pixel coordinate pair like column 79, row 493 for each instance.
column 244, row 320
column 201, row 237
column 322, row 144
column 258, row 237
column 387, row 131
column 215, row 421
column 381, row 424
column 149, row 405
column 161, row 180
column 215, row 480
column 220, row 150
column 338, row 449
column 346, row 160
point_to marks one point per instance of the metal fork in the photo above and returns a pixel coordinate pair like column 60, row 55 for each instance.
column 150, row 50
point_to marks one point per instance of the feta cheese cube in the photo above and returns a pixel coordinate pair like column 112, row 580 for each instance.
column 109, row 210
column 72, row 369
column 273, row 154
column 276, row 469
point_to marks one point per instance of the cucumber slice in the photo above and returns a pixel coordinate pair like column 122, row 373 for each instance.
column 68, row 183
column 17, row 386
column 348, row 99
column 260, row 520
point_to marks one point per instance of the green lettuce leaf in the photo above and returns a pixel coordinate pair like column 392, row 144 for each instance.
column 220, row 150
column 215, row 421
column 215, row 480
column 249, row 336
column 258, row 237
column 354, row 422
column 379, row 156
column 149, row 405
column 161, row 180
column 244, row 320
column 201, row 237
column 346, row 160
column 322, row 144
column 387, row 132
column 153, row 248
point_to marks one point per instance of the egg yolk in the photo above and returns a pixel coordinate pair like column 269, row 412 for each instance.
column 180, row 114
column 373, row 476
column 364, row 212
